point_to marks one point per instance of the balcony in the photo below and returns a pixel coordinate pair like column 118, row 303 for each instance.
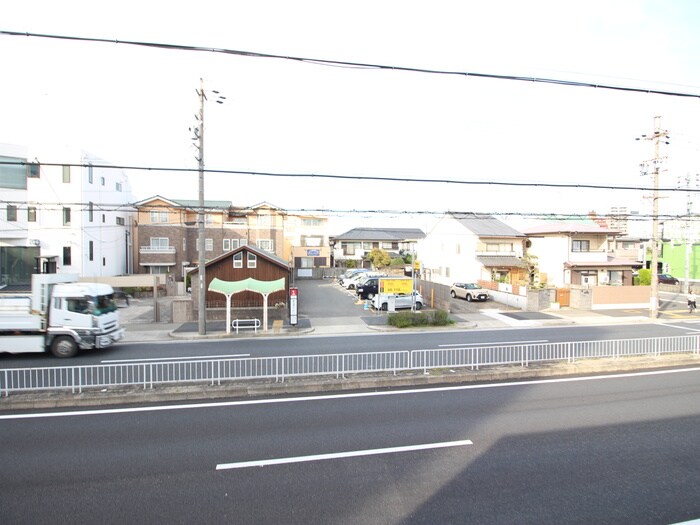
column 156, row 249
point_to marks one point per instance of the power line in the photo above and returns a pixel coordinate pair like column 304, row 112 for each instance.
column 358, row 65
column 374, row 178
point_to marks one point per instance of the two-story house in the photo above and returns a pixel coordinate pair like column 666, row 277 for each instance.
column 355, row 244
column 571, row 253
column 472, row 247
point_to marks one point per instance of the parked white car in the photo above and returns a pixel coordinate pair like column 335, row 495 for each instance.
column 349, row 274
column 352, row 283
column 381, row 301
column 469, row 291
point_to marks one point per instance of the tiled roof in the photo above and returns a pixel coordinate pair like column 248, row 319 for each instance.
column 381, row 234
column 485, row 225
column 500, row 261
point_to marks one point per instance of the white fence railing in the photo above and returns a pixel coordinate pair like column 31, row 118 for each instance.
column 214, row 372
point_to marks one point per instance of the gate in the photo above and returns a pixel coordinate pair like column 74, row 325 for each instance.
column 564, row 296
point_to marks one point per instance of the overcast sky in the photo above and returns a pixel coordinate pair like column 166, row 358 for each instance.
column 134, row 105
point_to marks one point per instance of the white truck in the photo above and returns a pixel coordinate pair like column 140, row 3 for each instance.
column 62, row 315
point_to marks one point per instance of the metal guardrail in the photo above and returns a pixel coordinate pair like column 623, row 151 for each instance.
column 214, row 372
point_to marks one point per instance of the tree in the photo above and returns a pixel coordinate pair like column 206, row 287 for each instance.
column 379, row 258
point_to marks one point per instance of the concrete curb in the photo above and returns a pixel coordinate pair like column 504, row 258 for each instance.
column 416, row 379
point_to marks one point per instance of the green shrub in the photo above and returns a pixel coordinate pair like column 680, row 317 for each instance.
column 412, row 319
column 645, row 277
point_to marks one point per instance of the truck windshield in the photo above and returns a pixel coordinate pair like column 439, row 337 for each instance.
column 104, row 304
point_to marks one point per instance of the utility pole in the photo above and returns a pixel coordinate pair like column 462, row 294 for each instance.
column 656, row 167
column 201, row 252
column 198, row 131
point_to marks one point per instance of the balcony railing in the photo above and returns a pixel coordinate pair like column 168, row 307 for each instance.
column 156, row 249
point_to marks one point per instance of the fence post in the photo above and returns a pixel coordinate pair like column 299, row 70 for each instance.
column 7, row 385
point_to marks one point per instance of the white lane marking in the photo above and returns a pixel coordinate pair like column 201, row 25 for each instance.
column 494, row 343
column 272, row 401
column 341, row 455
column 190, row 358
column 692, row 330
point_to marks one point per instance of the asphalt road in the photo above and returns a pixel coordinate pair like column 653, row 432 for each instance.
column 586, row 450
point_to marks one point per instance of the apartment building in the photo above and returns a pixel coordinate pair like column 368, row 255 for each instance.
column 69, row 215
column 166, row 233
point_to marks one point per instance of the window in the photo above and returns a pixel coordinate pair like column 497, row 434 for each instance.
column 208, row 244
column 66, row 256
column 252, row 260
column 120, row 221
column 33, row 171
column 580, row 246
column 184, row 244
column 11, row 213
column 265, row 244
column 104, row 218
column 239, row 220
column 66, row 216
column 226, row 245
column 234, row 244
column 388, row 245
column 311, row 222
column 159, row 243
column 91, row 250
column 90, row 211
column 66, row 174
column 159, row 216
column 499, row 247
column 243, row 242
column 238, row 260
column 306, row 262
column 311, row 240
column 31, row 214
column 102, row 181
column 90, row 174
column 119, row 186
column 79, row 306
column 264, row 220
column 208, row 218
column 159, row 270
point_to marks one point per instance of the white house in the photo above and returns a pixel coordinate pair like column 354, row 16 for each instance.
column 69, row 214
column 471, row 247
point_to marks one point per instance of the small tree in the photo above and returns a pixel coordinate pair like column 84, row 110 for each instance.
column 379, row 258
column 645, row 277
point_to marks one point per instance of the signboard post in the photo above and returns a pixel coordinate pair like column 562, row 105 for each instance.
column 293, row 300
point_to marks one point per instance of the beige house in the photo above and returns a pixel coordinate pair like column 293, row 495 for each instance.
column 578, row 254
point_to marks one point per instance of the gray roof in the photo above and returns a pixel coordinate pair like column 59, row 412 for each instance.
column 186, row 203
column 381, row 234
column 500, row 261
column 485, row 225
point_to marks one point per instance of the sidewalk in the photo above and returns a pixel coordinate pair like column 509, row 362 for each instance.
column 140, row 326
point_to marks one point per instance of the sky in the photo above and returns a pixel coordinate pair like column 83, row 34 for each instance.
column 134, row 106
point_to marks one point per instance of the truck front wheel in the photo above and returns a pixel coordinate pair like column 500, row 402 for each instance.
column 64, row 346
